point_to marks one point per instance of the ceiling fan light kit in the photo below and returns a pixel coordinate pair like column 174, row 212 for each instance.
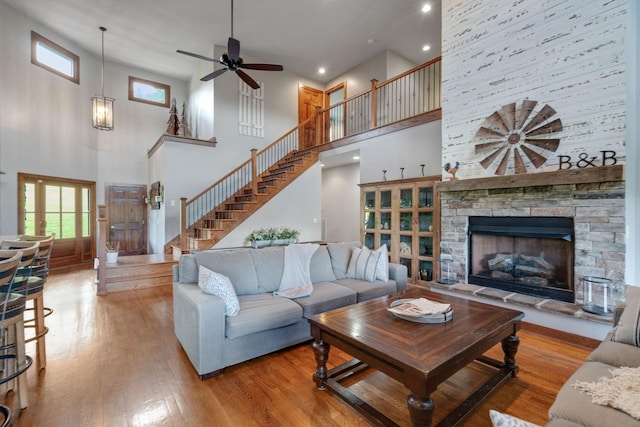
column 232, row 61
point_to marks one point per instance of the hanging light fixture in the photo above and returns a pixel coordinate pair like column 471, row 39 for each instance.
column 102, row 106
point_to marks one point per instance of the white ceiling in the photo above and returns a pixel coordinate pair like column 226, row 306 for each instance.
column 302, row 35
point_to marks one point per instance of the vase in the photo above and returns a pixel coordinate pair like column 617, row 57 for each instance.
column 112, row 257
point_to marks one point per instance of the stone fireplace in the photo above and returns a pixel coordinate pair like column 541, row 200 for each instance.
column 584, row 209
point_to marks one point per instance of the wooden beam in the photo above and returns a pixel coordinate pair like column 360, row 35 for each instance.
column 569, row 176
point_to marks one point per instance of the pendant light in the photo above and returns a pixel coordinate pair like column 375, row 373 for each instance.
column 102, row 106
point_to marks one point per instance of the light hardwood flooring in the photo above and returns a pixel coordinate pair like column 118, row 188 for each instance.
column 113, row 360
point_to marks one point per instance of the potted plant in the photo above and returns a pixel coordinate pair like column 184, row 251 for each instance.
column 269, row 236
column 111, row 252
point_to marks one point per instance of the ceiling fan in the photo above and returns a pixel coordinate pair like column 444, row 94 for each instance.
column 233, row 61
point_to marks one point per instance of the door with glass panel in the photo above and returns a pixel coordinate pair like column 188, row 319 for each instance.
column 62, row 206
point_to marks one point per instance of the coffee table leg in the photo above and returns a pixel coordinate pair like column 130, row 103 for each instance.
column 420, row 409
column 321, row 352
column 510, row 348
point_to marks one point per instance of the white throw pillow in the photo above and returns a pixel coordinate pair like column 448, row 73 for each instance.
column 362, row 265
column 296, row 276
column 503, row 420
column 219, row 285
column 382, row 267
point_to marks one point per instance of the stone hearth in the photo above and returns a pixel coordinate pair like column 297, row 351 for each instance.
column 593, row 197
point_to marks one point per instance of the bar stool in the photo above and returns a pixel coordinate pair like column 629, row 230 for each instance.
column 37, row 280
column 12, row 305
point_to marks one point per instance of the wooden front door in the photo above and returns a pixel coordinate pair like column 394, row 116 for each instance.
column 308, row 99
column 128, row 218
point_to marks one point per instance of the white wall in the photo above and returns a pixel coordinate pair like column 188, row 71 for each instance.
column 298, row 206
column 408, row 148
column 632, row 197
column 45, row 121
column 341, row 202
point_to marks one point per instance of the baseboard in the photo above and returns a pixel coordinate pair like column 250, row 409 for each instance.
column 561, row 335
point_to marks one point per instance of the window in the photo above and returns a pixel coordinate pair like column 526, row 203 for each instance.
column 149, row 92
column 53, row 57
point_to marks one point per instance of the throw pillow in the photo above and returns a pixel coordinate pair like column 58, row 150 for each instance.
column 503, row 420
column 219, row 285
column 362, row 265
column 382, row 267
column 628, row 329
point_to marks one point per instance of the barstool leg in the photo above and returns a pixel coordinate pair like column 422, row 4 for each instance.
column 21, row 360
column 41, row 345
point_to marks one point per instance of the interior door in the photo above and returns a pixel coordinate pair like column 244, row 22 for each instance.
column 336, row 123
column 308, row 99
column 127, row 218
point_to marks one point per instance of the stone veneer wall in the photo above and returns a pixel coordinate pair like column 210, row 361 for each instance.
column 597, row 209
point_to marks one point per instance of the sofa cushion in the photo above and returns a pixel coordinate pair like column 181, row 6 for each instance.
column 260, row 313
column 326, row 296
column 628, row 329
column 269, row 265
column 574, row 406
column 320, row 268
column 188, row 269
column 340, row 254
column 219, row 285
column 369, row 290
column 616, row 353
column 236, row 264
column 362, row 264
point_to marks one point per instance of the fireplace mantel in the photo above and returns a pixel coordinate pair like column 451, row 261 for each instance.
column 567, row 176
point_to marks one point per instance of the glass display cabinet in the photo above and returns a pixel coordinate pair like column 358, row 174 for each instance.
column 402, row 214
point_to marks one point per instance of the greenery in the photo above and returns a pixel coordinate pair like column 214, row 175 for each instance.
column 271, row 234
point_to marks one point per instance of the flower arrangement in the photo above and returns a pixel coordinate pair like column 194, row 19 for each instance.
column 270, row 234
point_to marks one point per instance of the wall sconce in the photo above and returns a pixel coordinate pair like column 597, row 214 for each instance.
column 102, row 106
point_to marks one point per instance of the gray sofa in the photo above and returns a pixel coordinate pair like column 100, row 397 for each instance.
column 573, row 408
column 265, row 323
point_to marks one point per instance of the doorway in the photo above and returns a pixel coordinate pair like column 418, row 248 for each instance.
column 62, row 206
column 335, row 128
column 127, row 218
column 309, row 99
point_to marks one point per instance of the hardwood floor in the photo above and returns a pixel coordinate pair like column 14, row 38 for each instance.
column 113, row 360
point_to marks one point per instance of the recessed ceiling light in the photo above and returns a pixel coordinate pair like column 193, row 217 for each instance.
column 356, row 157
column 426, row 47
column 426, row 8
column 321, row 165
column 321, row 70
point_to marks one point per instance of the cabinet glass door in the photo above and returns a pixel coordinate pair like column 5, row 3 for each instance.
column 425, row 221
column 370, row 200
column 425, row 197
column 385, row 199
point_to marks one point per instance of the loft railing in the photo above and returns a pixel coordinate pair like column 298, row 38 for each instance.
column 410, row 94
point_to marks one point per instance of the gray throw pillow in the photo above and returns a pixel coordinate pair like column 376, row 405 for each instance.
column 628, row 329
column 340, row 254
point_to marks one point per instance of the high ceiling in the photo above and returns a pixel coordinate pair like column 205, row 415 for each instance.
column 302, row 35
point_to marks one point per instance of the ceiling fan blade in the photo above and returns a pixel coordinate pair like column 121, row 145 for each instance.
column 195, row 55
column 265, row 67
column 248, row 80
column 233, row 49
column 213, row 75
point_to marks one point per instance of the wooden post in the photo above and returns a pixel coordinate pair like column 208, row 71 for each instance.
column 318, row 118
column 183, row 224
column 254, row 171
column 103, row 232
column 374, row 104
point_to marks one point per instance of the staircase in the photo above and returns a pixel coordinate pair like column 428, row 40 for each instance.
column 223, row 218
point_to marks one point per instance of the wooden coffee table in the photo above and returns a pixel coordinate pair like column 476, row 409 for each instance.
column 418, row 355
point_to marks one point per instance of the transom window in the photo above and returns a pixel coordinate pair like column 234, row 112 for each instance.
column 149, row 92
column 53, row 57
